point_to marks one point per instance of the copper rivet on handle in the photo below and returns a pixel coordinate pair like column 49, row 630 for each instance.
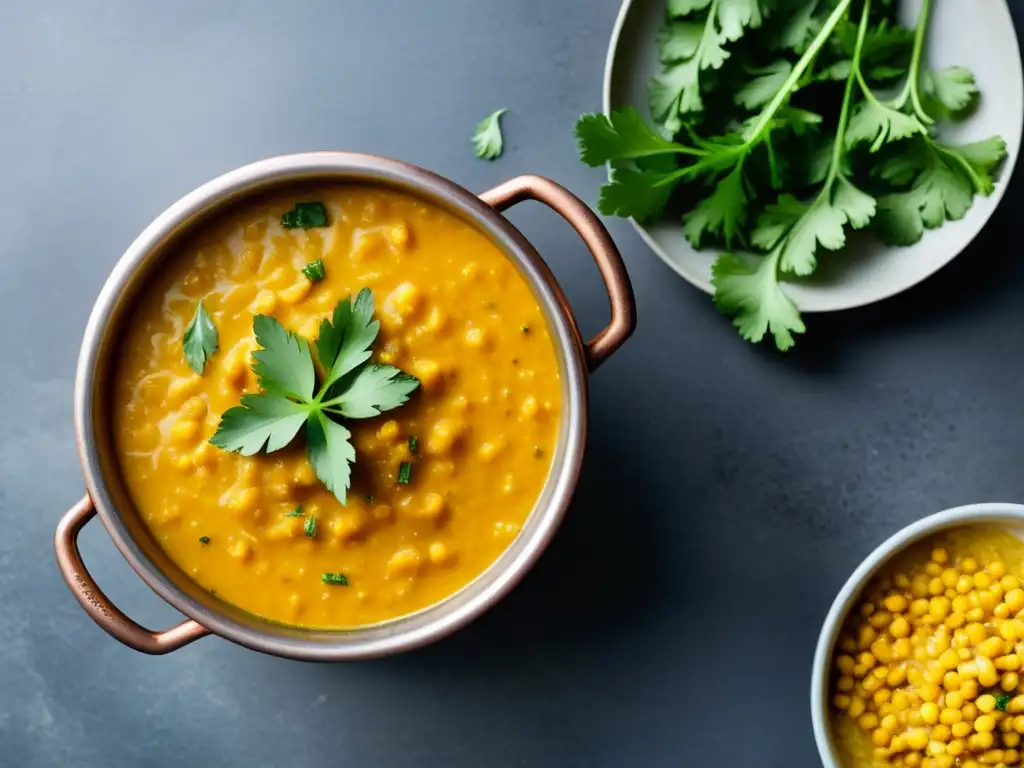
column 597, row 240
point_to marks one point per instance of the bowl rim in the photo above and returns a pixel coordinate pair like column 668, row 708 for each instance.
column 450, row 613
column 875, row 561
column 699, row 282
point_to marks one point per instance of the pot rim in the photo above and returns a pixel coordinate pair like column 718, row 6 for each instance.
column 988, row 512
column 449, row 614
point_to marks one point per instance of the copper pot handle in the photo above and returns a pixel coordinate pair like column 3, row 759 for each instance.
column 96, row 604
column 597, row 240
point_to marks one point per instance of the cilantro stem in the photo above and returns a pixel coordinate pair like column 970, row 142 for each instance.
column 839, row 145
column 914, row 79
column 768, row 113
column 756, row 135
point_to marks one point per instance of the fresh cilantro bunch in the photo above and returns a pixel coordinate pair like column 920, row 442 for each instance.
column 777, row 131
column 350, row 387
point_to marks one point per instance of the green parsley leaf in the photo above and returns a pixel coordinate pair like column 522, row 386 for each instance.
column 722, row 213
column 331, row 453
column 765, row 84
column 200, row 339
column 754, row 296
column 1002, row 702
column 678, row 40
column 487, row 140
column 314, row 271
column 287, row 377
column 305, row 216
column 283, row 366
column 878, row 123
column 414, row 444
column 267, row 419
column 344, row 344
column 680, row 8
column 951, row 91
column 204, row 539
column 297, row 512
column 630, row 193
column 335, row 578
column 371, row 391
column 404, row 473
column 310, row 526
column 624, row 135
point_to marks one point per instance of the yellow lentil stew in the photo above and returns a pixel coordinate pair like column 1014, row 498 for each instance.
column 474, row 442
column 927, row 673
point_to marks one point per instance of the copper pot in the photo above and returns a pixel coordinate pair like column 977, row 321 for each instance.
column 107, row 496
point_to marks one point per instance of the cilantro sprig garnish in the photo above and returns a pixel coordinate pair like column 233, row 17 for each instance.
column 351, row 387
column 200, row 339
column 776, row 145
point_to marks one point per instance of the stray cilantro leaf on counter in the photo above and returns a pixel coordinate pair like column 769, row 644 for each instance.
column 310, row 526
column 487, row 140
column 305, row 216
column 351, row 388
column 335, row 578
column 776, row 134
column 314, row 271
column 1002, row 702
column 200, row 339
column 404, row 473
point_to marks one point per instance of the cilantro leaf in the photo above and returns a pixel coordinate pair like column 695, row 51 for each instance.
column 624, row 135
column 200, row 339
column 798, row 229
column 641, row 195
column 266, row 419
column 736, row 16
column 723, row 212
column 799, row 29
column 678, row 40
column 764, row 86
column 305, row 216
column 284, row 365
column 878, row 123
column 330, row 451
column 372, row 390
column 950, row 91
column 345, row 344
column 939, row 193
column 487, row 140
column 679, row 8
column 754, row 296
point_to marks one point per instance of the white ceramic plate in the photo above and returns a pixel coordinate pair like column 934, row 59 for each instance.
column 977, row 34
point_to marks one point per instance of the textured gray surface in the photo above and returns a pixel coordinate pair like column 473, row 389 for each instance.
column 728, row 491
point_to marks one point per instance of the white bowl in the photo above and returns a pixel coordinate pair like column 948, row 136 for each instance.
column 1009, row 516
column 982, row 40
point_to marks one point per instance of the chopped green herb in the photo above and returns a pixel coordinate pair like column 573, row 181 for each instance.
column 200, row 339
column 314, row 271
column 311, row 526
column 404, row 473
column 204, row 539
column 335, row 578
column 352, row 388
column 1002, row 702
column 414, row 444
column 524, row 328
column 297, row 512
column 305, row 216
column 487, row 140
